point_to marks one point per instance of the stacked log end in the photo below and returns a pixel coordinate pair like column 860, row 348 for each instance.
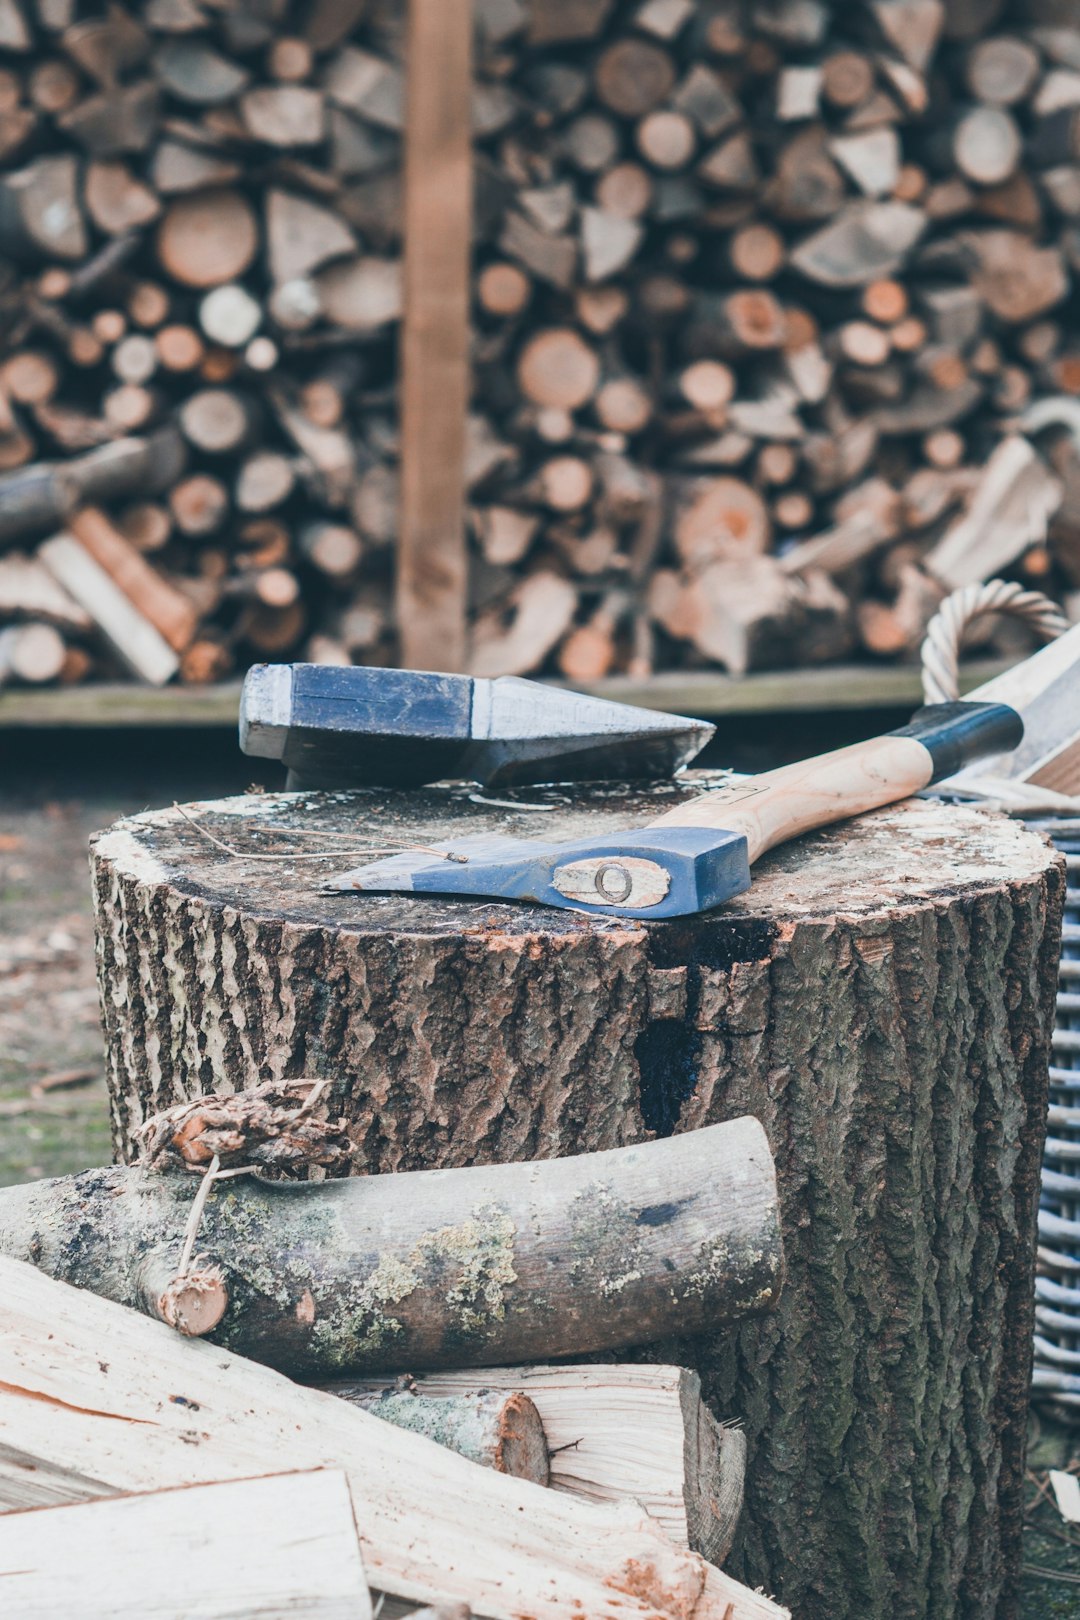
column 760, row 290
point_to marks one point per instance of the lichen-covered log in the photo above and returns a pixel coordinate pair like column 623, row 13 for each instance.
column 881, row 999
column 497, row 1263
column 497, row 1430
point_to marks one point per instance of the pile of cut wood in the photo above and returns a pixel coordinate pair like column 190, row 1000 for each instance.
column 552, row 1491
column 772, row 328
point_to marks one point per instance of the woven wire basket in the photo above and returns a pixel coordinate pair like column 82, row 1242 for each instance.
column 1056, row 1376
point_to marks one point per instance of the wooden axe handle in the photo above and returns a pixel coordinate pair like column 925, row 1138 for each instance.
column 778, row 805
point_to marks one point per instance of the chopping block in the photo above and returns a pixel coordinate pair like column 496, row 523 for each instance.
column 881, row 999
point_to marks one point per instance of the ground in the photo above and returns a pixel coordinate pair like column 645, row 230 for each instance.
column 54, row 792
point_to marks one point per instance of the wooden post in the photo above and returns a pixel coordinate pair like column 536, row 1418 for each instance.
column 431, row 561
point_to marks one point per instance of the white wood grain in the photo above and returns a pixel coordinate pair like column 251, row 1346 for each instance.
column 628, row 1432
column 104, row 1395
column 255, row 1549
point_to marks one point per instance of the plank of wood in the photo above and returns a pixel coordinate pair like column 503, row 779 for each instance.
column 431, row 559
column 250, row 1548
column 427, row 1519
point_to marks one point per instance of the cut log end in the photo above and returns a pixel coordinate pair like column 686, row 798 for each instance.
column 193, row 1304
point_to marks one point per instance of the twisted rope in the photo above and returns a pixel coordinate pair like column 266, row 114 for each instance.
column 941, row 679
column 947, row 629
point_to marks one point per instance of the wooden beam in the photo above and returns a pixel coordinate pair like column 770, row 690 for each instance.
column 834, row 689
column 432, row 566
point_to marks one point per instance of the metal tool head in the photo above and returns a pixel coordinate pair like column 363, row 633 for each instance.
column 650, row 872
column 363, row 727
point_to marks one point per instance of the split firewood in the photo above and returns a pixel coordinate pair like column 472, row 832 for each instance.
column 166, row 608
column 539, row 612
column 768, row 243
column 135, row 639
column 28, row 591
column 444, row 1514
column 134, row 1221
column 749, row 613
column 686, row 1469
column 272, row 1542
column 1010, row 510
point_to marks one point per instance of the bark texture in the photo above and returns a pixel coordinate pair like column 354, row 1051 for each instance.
column 881, row 999
column 450, row 1268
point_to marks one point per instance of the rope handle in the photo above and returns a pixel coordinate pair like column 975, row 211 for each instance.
column 947, row 629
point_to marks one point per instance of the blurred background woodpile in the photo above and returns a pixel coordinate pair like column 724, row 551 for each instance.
column 774, row 330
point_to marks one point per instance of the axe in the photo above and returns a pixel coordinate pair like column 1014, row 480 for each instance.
column 362, row 727
column 699, row 854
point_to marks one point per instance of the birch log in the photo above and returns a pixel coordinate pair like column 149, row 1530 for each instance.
column 97, row 1400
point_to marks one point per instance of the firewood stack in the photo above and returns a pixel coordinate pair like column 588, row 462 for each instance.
column 771, row 329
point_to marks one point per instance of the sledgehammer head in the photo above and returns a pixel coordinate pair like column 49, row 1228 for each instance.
column 359, row 727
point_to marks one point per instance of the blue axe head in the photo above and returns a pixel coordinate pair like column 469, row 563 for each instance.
column 651, row 872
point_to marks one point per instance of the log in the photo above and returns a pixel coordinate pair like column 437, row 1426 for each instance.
column 32, row 654
column 208, row 238
column 167, row 609
column 684, row 1468
column 43, row 495
column 558, row 368
column 516, row 1307
column 723, row 519
column 495, row 1429
column 217, row 421
column 904, row 1098
column 633, row 76
column 445, row 1521
column 264, row 1546
column 137, row 642
column 198, row 504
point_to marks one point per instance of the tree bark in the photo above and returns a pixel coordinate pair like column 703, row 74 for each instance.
column 471, row 1267
column 882, row 999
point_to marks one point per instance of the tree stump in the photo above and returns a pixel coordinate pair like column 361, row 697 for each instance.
column 882, row 999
